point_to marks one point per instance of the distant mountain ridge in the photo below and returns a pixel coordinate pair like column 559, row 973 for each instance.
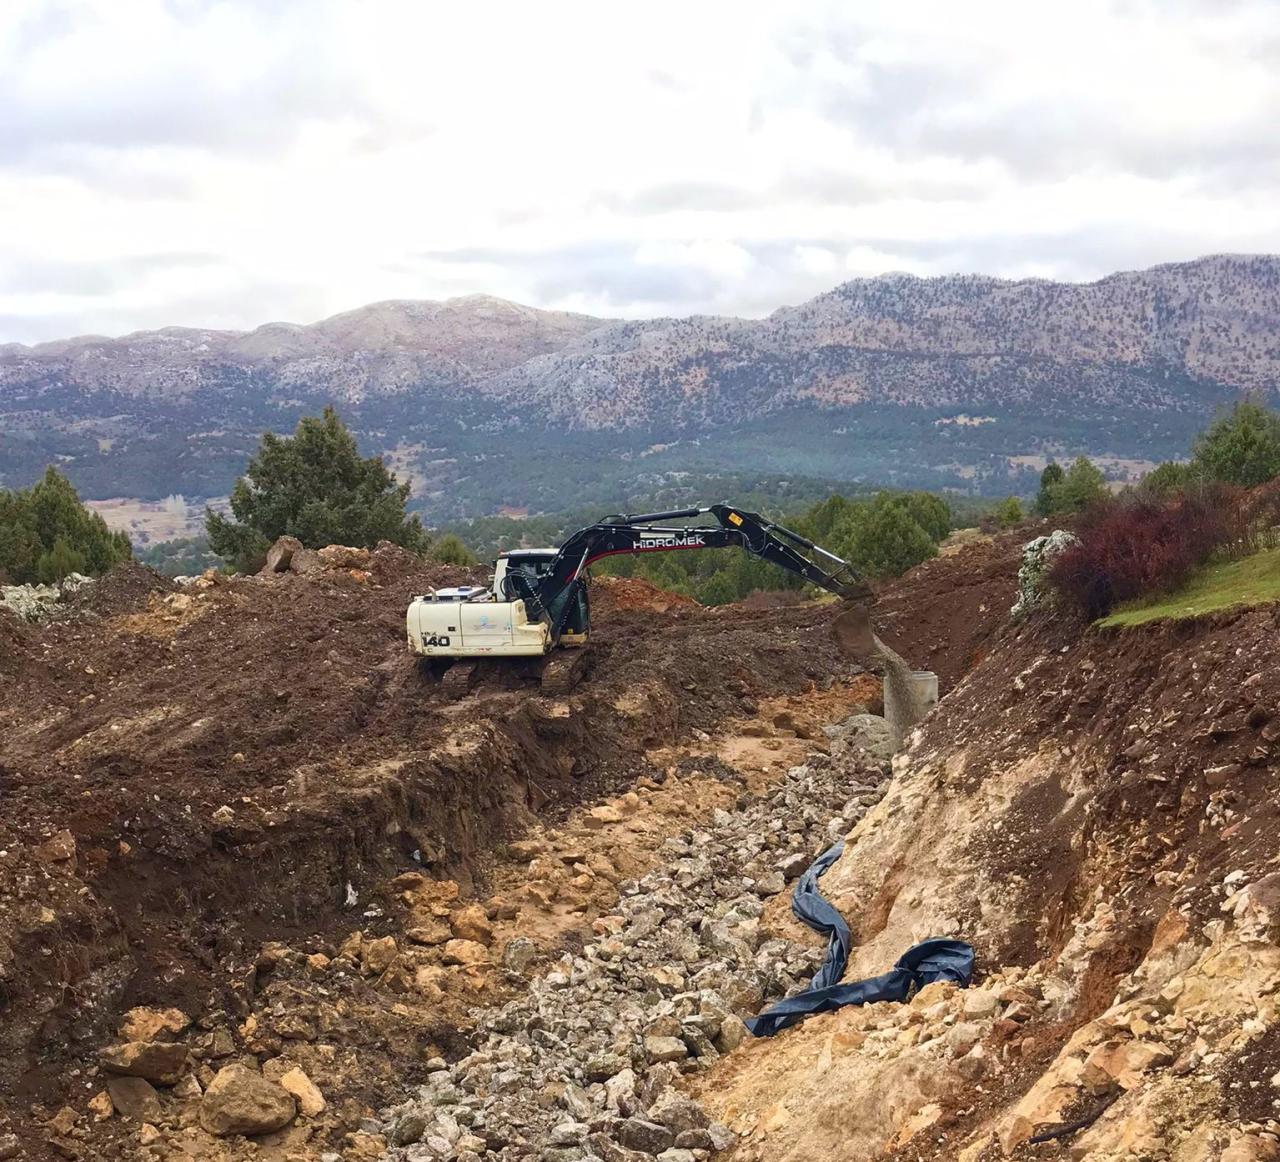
column 1144, row 349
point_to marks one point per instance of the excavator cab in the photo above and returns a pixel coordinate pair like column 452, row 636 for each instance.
column 569, row 609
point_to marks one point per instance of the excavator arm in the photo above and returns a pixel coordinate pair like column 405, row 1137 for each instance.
column 641, row 533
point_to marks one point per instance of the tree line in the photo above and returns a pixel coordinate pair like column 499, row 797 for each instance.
column 314, row 485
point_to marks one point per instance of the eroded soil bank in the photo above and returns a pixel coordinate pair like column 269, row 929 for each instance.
column 1097, row 812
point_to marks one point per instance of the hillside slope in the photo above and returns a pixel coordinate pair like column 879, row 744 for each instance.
column 1097, row 813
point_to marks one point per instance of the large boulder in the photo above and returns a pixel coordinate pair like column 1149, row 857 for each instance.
column 1037, row 557
column 240, row 1101
column 869, row 733
column 280, row 555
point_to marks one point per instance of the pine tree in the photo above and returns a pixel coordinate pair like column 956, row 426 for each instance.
column 1070, row 491
column 1241, row 447
column 889, row 542
column 1082, row 485
column 1008, row 512
column 315, row 486
column 1050, row 481
column 46, row 533
column 1167, row 478
column 450, row 550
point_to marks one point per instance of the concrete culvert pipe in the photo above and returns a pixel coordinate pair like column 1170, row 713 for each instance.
column 908, row 695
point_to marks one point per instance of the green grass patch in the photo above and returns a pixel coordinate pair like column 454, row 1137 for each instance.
column 1251, row 580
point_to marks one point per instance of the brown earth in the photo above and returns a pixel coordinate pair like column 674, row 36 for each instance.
column 243, row 800
column 209, row 790
column 942, row 614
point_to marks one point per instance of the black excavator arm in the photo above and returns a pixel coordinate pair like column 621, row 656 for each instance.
column 641, row 533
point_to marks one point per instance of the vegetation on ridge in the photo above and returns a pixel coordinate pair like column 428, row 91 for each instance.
column 1253, row 580
column 314, row 486
column 46, row 533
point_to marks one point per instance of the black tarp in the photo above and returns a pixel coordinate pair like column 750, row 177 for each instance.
column 920, row 965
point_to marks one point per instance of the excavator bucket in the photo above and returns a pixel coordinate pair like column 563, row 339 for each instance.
column 854, row 634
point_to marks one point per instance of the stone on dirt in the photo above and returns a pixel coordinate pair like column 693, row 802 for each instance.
column 471, row 923
column 136, row 1098
column 142, row 1024
column 280, row 555
column 465, row 952
column 242, row 1101
column 376, row 955
column 305, row 1091
column 665, row 1049
column 518, row 954
column 162, row 1062
column 58, row 848
column 646, row 1136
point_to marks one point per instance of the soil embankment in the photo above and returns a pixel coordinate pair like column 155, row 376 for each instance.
column 1097, row 813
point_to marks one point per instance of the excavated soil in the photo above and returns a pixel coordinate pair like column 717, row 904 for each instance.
column 942, row 614
column 188, row 773
column 244, row 799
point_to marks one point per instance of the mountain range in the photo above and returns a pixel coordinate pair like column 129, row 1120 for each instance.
column 959, row 381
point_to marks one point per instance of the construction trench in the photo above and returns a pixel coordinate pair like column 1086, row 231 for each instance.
column 266, row 893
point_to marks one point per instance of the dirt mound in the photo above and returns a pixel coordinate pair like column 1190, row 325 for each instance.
column 125, row 588
column 941, row 615
column 634, row 593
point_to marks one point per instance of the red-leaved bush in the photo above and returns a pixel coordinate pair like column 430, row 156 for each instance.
column 1135, row 545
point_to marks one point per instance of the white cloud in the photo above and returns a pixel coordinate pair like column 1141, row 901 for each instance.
column 628, row 159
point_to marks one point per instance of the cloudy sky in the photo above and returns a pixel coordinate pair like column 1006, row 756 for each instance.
column 229, row 162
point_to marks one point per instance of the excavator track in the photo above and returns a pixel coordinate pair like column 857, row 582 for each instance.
column 458, row 679
column 562, row 671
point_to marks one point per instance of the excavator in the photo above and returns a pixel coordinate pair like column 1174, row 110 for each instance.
column 535, row 611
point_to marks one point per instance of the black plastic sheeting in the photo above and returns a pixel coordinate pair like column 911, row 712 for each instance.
column 920, row 965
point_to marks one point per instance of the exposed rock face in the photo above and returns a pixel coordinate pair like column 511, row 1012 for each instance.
column 1037, row 558
column 241, row 1101
column 1170, row 340
column 1090, row 811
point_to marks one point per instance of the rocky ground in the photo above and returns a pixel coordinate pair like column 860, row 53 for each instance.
column 213, row 794
column 583, row 1064
column 265, row 893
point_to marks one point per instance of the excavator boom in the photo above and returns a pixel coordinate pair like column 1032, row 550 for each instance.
column 638, row 533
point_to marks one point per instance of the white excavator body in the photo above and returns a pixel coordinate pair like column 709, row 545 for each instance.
column 470, row 621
